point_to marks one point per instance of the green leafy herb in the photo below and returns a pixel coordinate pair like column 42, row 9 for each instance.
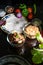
column 37, row 56
column 33, row 51
column 41, row 46
column 17, row 36
column 39, row 37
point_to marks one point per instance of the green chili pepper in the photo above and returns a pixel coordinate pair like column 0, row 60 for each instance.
column 22, row 6
column 25, row 12
column 34, row 8
column 39, row 37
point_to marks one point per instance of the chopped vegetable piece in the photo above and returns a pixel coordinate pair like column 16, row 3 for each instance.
column 19, row 15
column 25, row 12
column 34, row 8
column 39, row 37
column 30, row 16
column 41, row 46
column 17, row 10
column 17, row 36
column 30, row 10
column 22, row 6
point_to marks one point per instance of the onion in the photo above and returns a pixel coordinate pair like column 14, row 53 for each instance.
column 19, row 15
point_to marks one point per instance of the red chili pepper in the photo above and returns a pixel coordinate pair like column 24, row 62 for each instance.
column 17, row 10
column 30, row 10
column 30, row 16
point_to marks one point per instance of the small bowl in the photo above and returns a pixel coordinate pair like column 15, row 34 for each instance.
column 9, row 9
column 36, row 21
column 30, row 40
column 29, row 36
column 14, row 44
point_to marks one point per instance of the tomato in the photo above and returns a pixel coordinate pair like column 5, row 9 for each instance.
column 17, row 10
column 30, row 10
column 30, row 16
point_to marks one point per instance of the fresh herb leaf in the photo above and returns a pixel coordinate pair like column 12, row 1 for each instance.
column 41, row 46
column 39, row 37
column 37, row 56
column 33, row 51
column 17, row 36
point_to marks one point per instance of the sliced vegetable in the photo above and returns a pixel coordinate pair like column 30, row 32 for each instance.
column 30, row 16
column 17, row 10
column 25, row 12
column 22, row 6
column 39, row 37
column 41, row 46
column 34, row 8
column 17, row 36
column 19, row 15
column 30, row 10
